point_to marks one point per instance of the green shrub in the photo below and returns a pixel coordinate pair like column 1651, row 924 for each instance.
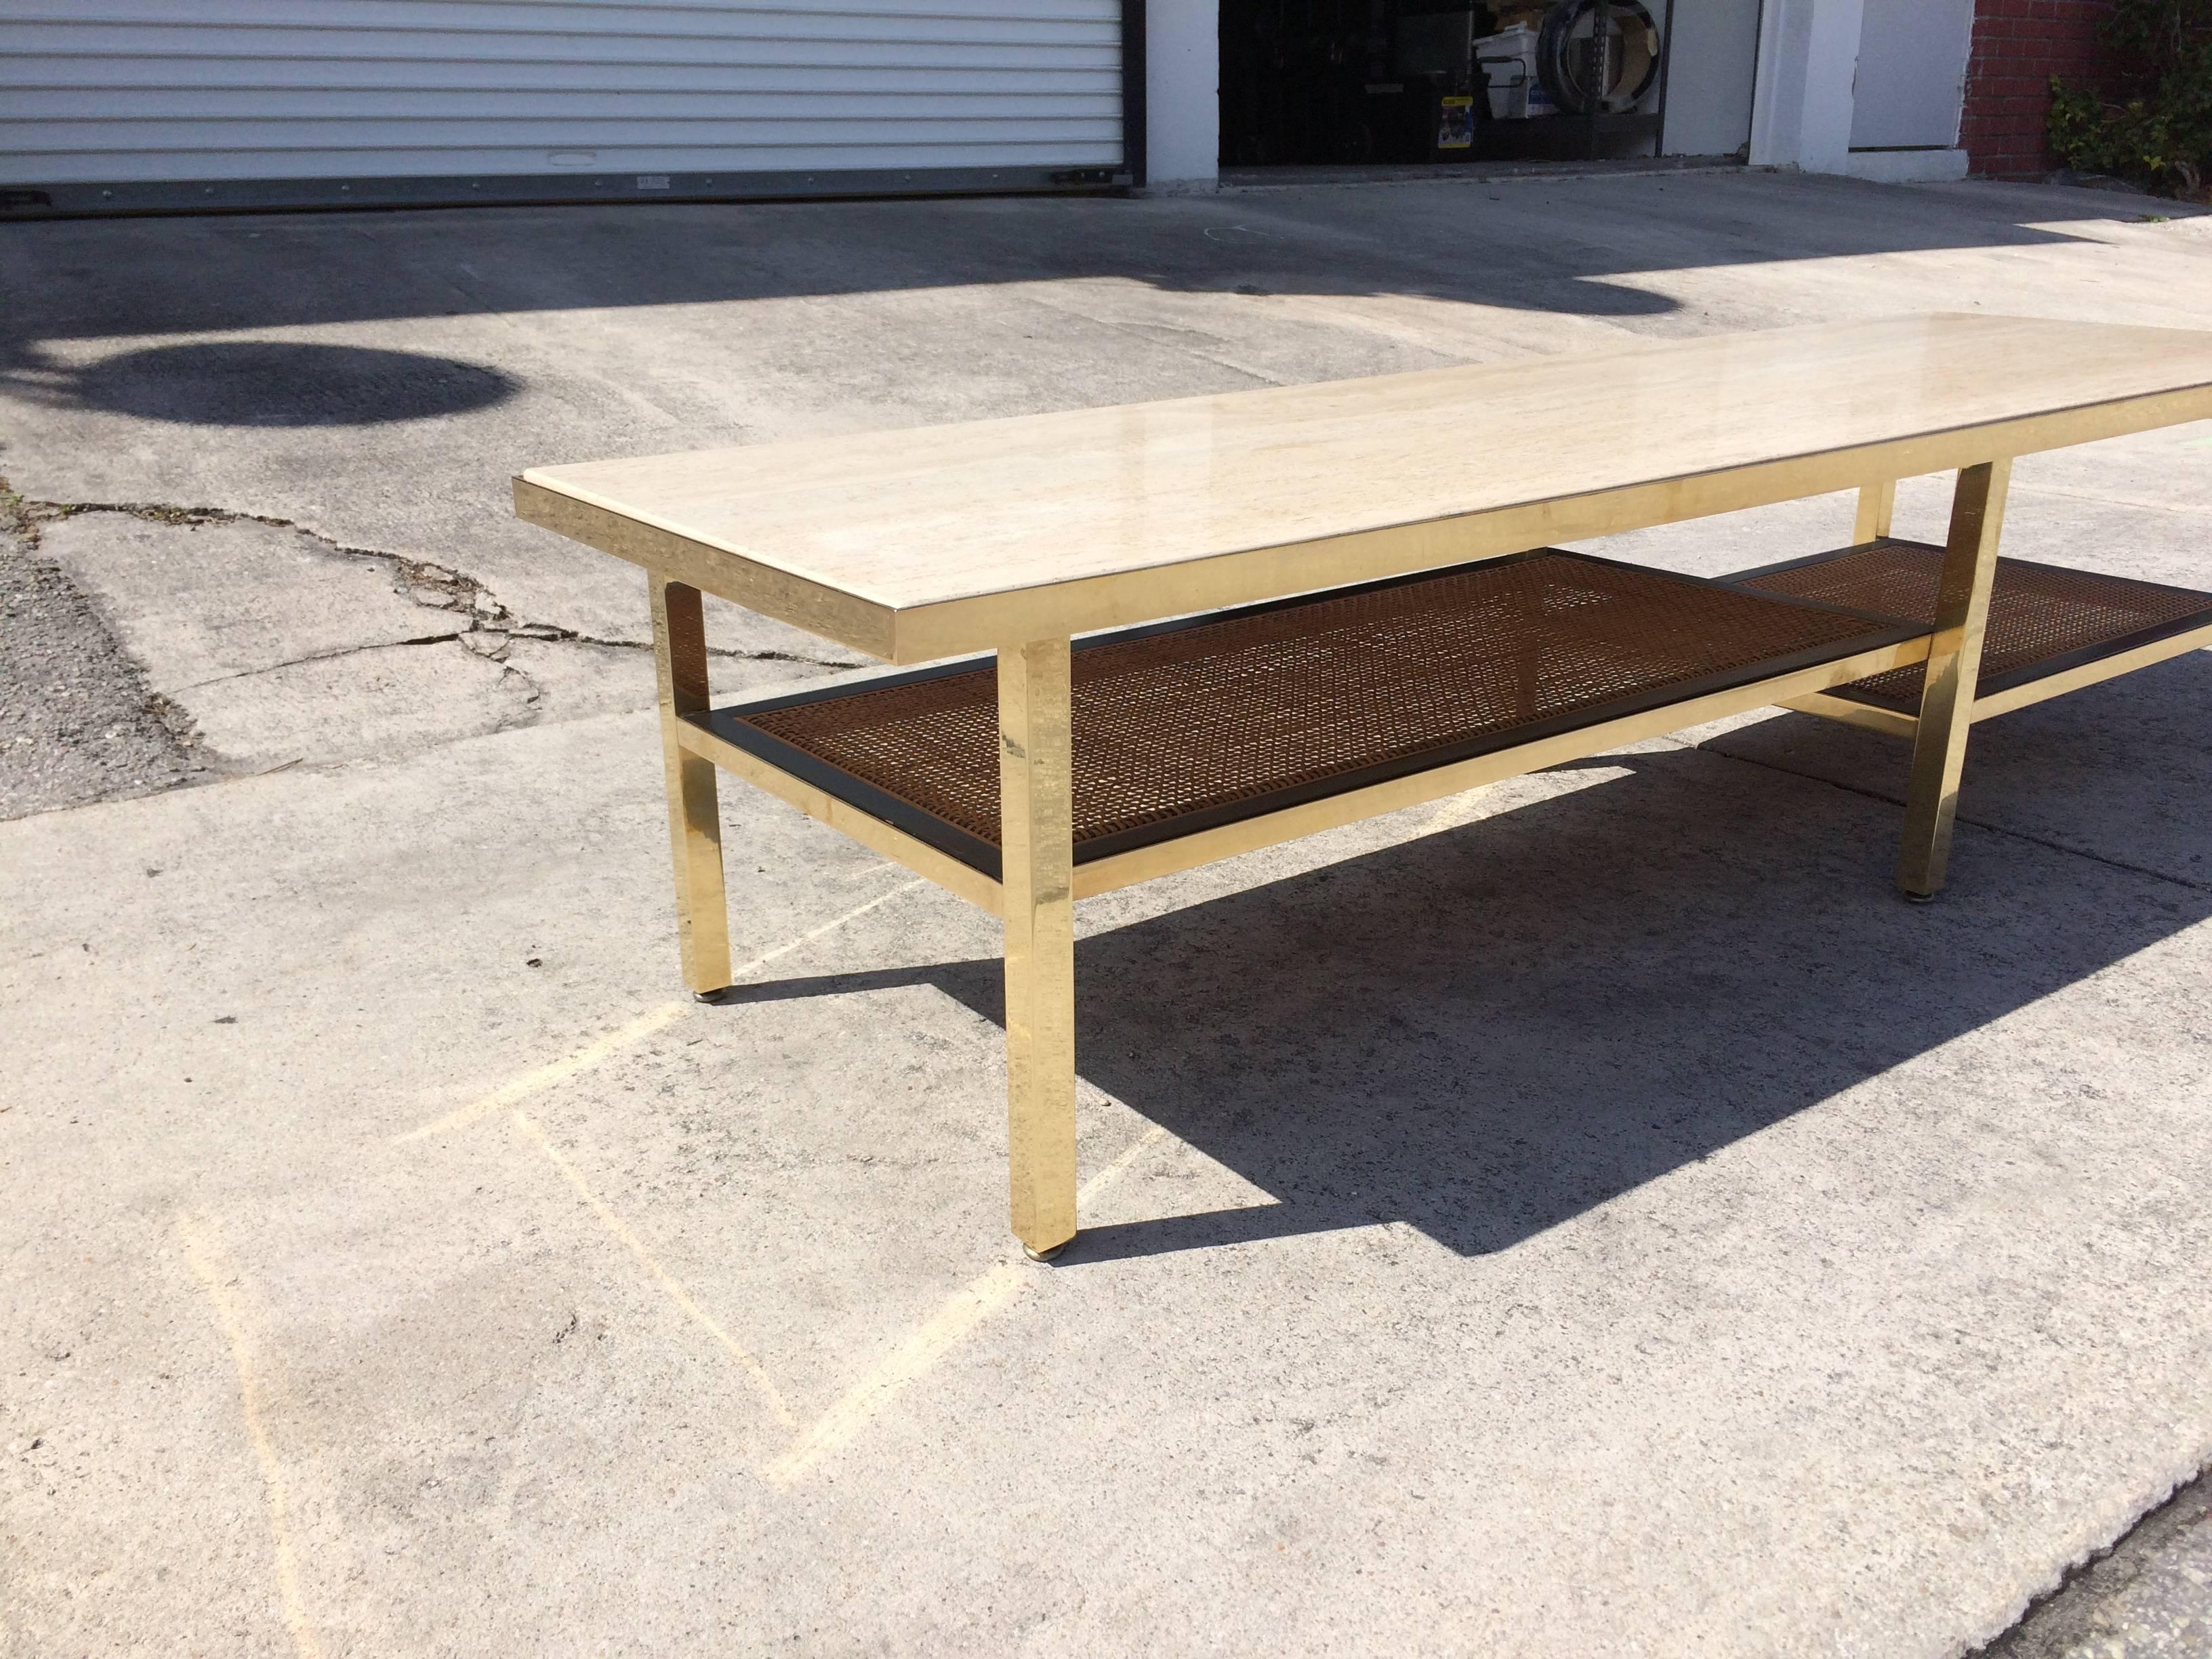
column 2158, row 130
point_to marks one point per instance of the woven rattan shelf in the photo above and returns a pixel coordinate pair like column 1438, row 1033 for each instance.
column 2050, row 629
column 1183, row 726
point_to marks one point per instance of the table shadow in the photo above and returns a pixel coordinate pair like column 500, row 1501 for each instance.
column 1490, row 1030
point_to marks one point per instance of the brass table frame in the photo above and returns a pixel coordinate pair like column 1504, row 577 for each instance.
column 896, row 544
column 1034, row 897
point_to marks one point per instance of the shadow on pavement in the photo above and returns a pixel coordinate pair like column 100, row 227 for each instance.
column 274, row 383
column 1505, row 246
column 1490, row 1030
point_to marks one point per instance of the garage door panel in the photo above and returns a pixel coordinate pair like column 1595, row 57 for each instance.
column 227, row 116
column 146, row 91
column 887, row 19
column 1070, row 72
column 28, row 137
column 730, row 163
column 93, row 42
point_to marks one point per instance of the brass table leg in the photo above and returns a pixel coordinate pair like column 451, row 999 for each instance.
column 1954, row 666
column 694, row 824
column 1877, row 506
column 1036, row 838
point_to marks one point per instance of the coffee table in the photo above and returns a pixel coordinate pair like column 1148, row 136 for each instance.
column 1211, row 625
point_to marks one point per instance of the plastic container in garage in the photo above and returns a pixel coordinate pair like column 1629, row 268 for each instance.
column 1508, row 62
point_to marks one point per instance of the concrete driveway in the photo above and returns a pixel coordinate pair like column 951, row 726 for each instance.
column 1591, row 1216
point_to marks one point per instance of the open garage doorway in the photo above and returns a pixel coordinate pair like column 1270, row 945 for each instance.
column 1390, row 83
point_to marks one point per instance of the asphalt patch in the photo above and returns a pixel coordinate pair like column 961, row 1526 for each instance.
column 77, row 723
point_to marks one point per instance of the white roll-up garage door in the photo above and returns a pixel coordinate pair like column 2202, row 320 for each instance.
column 132, row 104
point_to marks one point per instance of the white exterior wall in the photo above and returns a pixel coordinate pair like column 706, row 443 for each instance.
column 1713, row 69
column 1911, row 89
column 1182, row 94
column 1870, row 88
column 1808, row 54
column 1912, row 82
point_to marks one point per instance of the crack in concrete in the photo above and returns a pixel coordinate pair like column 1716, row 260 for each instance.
column 479, row 622
column 569, row 636
column 434, row 586
column 327, row 656
column 38, row 512
column 463, row 593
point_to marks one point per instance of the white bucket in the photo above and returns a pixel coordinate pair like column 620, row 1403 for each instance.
column 1508, row 61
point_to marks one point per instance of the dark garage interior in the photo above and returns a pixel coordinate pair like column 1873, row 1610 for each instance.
column 1394, row 82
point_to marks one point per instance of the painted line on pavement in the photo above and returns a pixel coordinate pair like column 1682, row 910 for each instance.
column 211, row 1265
column 546, row 1077
column 914, row 1356
column 626, row 1036
column 962, row 1312
column 668, row 1281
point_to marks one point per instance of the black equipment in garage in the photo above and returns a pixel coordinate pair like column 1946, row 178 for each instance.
column 1392, row 82
column 1630, row 63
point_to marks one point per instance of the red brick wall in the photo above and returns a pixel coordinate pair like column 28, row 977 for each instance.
column 2019, row 45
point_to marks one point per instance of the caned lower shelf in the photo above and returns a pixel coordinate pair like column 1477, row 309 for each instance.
column 1306, row 711
column 2050, row 629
